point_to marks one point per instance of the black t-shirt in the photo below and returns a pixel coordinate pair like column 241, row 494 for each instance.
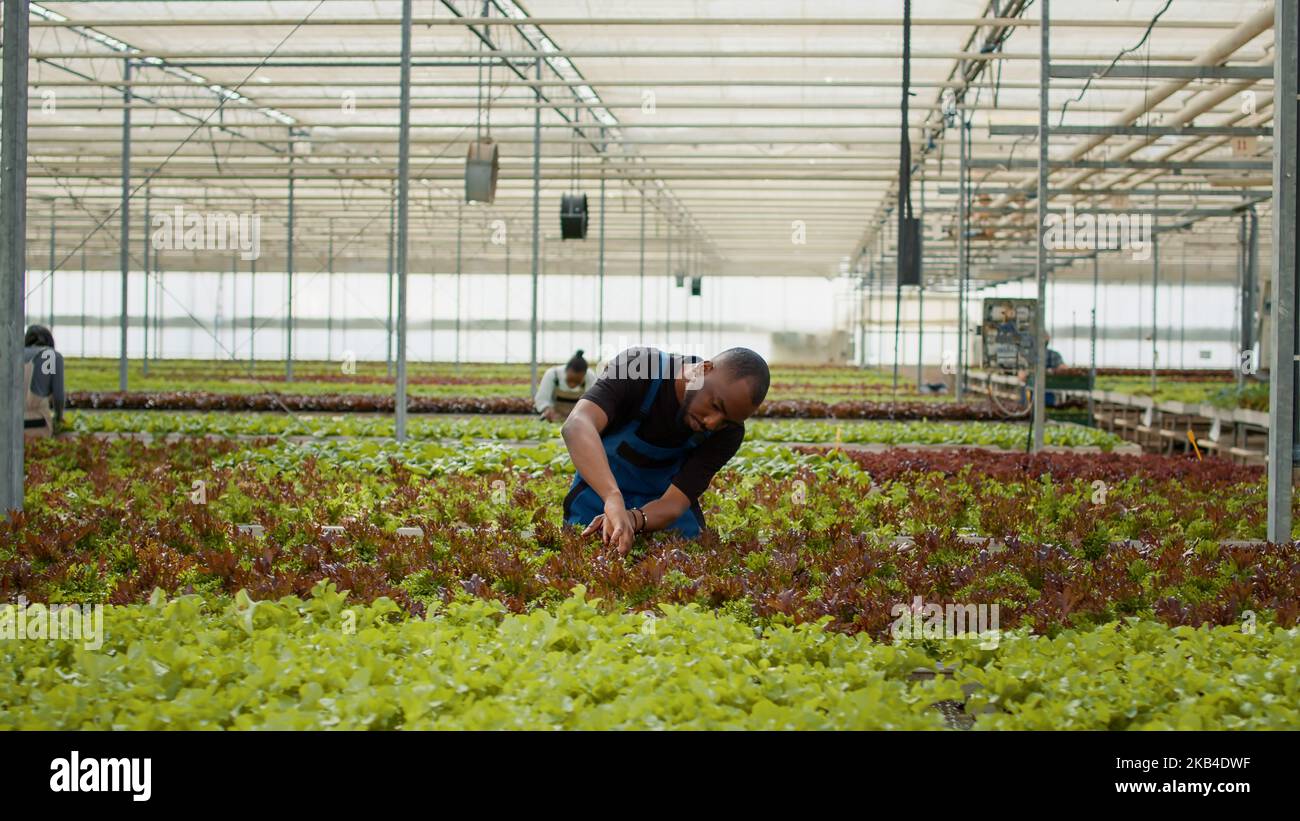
column 621, row 389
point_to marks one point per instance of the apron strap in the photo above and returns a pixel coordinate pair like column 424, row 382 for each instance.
column 650, row 395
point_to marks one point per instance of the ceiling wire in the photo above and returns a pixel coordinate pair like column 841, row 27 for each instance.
column 1123, row 53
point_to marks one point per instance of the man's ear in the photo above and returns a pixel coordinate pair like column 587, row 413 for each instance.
column 699, row 370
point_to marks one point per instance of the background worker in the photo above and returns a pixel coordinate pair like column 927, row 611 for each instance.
column 1054, row 359
column 1051, row 365
column 561, row 387
column 43, row 377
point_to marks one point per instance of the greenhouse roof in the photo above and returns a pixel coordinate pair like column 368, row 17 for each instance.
column 758, row 138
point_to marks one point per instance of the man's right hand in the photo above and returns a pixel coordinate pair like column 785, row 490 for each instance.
column 616, row 525
column 581, row 432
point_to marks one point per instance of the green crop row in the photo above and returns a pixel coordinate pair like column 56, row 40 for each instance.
column 162, row 423
column 292, row 663
column 301, row 386
column 1142, row 676
column 424, row 379
column 826, row 384
column 1253, row 395
column 437, row 458
column 505, row 372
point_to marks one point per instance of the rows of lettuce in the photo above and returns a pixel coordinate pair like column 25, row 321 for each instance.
column 829, row 384
column 326, row 661
column 344, row 403
column 798, row 535
column 1252, row 394
column 433, row 428
column 447, row 372
column 499, row 381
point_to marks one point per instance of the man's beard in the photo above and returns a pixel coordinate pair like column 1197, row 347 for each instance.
column 687, row 400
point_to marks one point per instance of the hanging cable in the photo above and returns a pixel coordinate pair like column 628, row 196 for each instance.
column 1113, row 63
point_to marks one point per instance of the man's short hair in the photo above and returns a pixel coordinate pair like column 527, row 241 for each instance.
column 742, row 363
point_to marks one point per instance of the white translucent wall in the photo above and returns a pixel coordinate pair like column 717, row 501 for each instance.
column 1196, row 326
column 207, row 315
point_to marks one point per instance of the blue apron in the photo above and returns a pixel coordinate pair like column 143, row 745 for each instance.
column 643, row 471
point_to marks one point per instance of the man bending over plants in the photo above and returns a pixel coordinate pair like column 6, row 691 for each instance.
column 647, row 438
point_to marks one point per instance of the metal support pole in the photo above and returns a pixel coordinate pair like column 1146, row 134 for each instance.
column 640, row 321
column 898, row 315
column 252, row 305
column 905, row 185
column 877, row 312
column 699, row 303
column 403, row 215
column 693, row 270
column 1248, row 290
column 329, row 297
column 880, row 309
column 689, row 266
column 870, row 320
column 155, row 324
column 1182, row 314
column 1283, row 414
column 147, row 271
column 392, row 246
column 157, row 303
column 83, row 300
column 537, row 227
column 1239, row 303
column 863, row 292
column 963, row 252
column 234, row 299
column 1092, row 334
column 1155, row 297
column 124, row 240
column 1040, row 360
column 869, row 298
column 53, row 262
column 506, row 330
column 854, row 287
column 288, row 252
column 459, row 234
column 217, row 298
column 13, row 250
column 600, row 308
column 668, row 283
column 920, row 335
column 920, row 305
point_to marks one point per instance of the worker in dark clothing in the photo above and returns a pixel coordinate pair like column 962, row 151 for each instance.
column 1051, row 365
column 43, row 376
column 1054, row 359
column 648, row 437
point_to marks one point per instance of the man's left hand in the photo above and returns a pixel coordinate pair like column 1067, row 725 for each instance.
column 617, row 533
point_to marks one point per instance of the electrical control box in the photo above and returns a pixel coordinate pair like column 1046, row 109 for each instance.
column 1007, row 334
